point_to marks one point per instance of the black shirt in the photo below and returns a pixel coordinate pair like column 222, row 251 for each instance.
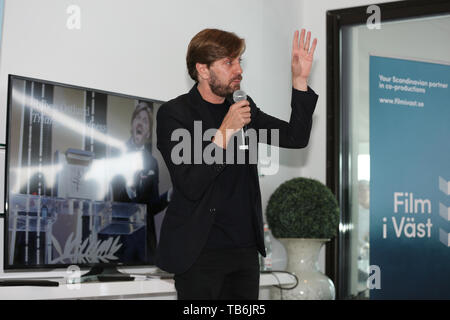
column 233, row 224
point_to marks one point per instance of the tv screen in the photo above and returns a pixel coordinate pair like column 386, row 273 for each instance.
column 84, row 184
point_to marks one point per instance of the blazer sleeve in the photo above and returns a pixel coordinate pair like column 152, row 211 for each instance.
column 296, row 132
column 191, row 178
column 150, row 191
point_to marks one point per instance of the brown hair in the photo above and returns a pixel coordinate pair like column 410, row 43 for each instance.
column 210, row 45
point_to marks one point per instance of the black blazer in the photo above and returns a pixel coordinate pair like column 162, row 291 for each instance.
column 190, row 213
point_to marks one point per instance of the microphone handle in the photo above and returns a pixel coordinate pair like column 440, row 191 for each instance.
column 244, row 145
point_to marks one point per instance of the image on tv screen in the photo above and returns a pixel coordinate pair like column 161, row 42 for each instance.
column 85, row 183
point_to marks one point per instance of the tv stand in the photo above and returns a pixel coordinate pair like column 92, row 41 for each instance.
column 105, row 274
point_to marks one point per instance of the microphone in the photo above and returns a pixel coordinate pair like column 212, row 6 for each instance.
column 240, row 95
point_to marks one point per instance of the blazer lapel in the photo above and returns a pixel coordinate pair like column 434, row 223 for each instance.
column 201, row 111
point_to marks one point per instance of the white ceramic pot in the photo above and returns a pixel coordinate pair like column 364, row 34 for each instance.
column 303, row 261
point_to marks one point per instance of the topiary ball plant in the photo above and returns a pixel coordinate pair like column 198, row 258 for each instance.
column 303, row 208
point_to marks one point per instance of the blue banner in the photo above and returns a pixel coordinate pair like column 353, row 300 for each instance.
column 410, row 178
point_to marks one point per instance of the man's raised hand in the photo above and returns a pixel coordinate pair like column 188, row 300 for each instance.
column 302, row 58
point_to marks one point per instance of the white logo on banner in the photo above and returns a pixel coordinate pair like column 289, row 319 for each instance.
column 412, row 224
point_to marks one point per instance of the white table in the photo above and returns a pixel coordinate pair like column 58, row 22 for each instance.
column 139, row 289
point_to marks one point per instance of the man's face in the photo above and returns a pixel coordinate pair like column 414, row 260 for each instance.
column 225, row 76
column 140, row 128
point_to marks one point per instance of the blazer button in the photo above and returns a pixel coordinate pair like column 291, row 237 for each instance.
column 212, row 210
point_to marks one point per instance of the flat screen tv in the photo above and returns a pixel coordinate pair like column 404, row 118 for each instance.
column 84, row 184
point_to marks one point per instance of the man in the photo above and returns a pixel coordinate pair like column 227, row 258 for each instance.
column 213, row 227
column 145, row 186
